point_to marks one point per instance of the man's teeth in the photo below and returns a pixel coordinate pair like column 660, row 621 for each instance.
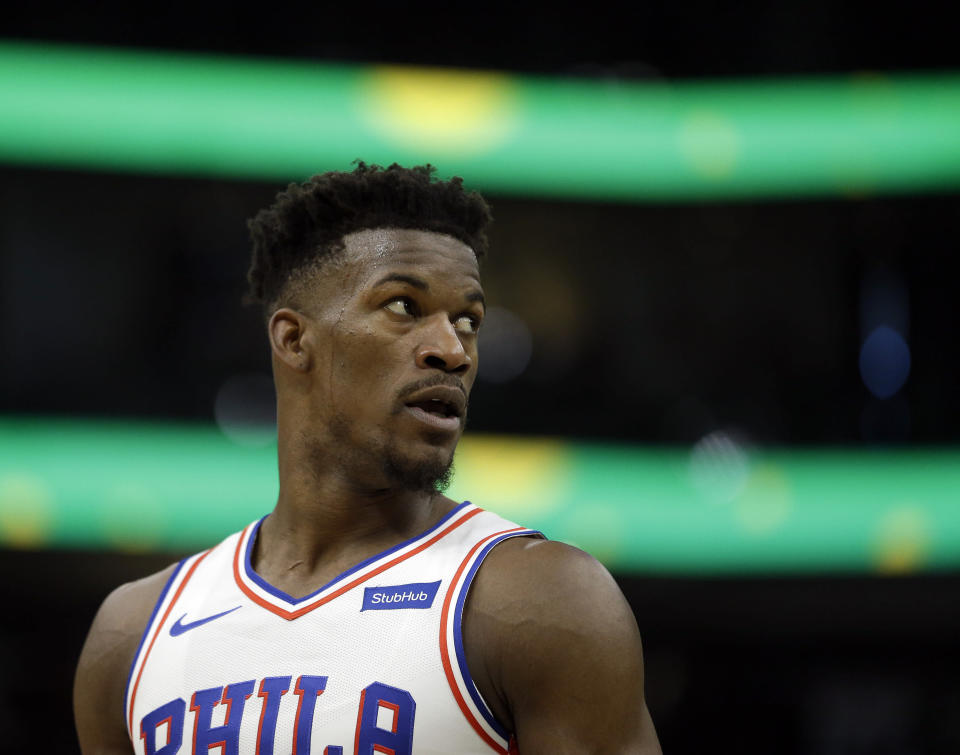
column 436, row 407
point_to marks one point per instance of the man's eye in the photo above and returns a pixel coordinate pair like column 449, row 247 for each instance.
column 466, row 324
column 401, row 307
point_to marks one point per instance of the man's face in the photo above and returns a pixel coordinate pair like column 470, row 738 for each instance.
column 395, row 355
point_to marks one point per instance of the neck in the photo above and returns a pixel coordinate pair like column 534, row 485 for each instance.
column 325, row 521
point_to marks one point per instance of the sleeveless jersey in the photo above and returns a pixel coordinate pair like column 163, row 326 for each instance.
column 372, row 662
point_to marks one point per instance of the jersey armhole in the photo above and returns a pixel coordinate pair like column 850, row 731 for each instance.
column 464, row 689
column 181, row 575
column 143, row 639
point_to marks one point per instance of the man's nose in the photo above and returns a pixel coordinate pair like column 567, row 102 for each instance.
column 441, row 348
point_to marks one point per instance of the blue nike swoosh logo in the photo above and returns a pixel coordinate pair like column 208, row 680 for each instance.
column 179, row 627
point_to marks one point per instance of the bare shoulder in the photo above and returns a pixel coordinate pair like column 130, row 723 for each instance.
column 100, row 682
column 558, row 651
column 127, row 609
column 546, row 585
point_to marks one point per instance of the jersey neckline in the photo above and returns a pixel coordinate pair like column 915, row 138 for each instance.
column 285, row 605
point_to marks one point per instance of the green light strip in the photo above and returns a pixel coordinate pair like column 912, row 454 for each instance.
column 209, row 116
column 183, row 487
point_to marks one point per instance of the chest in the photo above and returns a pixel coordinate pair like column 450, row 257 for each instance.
column 374, row 662
column 338, row 677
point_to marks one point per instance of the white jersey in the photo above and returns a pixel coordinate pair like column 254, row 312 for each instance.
column 372, row 662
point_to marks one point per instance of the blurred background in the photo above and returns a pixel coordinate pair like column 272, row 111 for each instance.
column 720, row 354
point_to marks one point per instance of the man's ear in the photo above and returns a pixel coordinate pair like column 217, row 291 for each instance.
column 286, row 330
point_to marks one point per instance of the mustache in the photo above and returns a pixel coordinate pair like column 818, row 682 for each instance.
column 451, row 381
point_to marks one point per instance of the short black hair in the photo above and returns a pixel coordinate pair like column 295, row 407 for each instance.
column 308, row 221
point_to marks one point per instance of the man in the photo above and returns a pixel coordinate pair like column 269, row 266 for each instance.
column 356, row 617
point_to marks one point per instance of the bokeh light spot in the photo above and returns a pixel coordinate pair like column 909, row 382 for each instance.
column 884, row 362
column 26, row 511
column 516, row 478
column 245, row 410
column 453, row 111
column 718, row 467
column 766, row 500
column 132, row 519
column 902, row 540
column 505, row 345
column 710, row 143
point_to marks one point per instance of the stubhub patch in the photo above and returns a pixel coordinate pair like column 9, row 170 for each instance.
column 416, row 595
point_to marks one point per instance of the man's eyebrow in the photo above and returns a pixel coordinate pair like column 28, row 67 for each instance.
column 409, row 279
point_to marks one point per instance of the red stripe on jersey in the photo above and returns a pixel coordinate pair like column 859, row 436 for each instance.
column 291, row 615
column 263, row 713
column 444, row 649
column 166, row 614
column 356, row 734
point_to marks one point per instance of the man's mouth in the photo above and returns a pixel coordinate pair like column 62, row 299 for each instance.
column 434, row 417
column 442, row 407
column 436, row 407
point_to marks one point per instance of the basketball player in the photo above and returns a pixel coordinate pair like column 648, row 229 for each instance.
column 368, row 613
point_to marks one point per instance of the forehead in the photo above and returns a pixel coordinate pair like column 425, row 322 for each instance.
column 373, row 251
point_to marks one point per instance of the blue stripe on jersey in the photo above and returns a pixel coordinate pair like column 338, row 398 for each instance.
column 146, row 631
column 261, row 582
column 458, row 633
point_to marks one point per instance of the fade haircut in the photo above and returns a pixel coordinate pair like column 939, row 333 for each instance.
column 306, row 224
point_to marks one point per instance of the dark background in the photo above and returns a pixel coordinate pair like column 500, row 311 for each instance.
column 119, row 295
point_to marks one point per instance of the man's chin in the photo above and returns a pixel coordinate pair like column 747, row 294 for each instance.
column 429, row 474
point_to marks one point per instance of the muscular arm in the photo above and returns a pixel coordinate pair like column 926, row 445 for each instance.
column 555, row 651
column 105, row 661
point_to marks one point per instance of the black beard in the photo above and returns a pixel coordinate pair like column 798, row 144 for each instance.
column 404, row 473
column 426, row 476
